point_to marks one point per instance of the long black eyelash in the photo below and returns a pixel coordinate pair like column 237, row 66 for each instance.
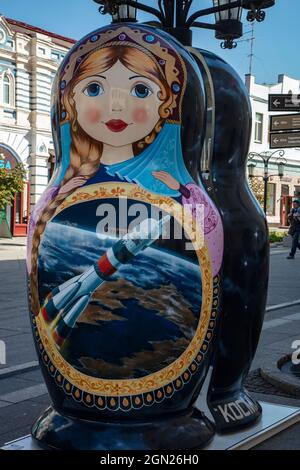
column 85, row 88
column 141, row 83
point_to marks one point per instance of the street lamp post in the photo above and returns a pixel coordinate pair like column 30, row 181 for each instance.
column 266, row 157
column 173, row 16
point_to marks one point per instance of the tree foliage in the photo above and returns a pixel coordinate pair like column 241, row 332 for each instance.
column 11, row 182
column 257, row 186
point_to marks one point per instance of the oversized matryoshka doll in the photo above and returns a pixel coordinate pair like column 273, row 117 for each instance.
column 125, row 249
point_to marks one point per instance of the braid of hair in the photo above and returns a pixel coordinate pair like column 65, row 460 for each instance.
column 46, row 215
column 85, row 165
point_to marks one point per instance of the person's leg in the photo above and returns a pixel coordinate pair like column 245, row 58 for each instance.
column 298, row 239
column 295, row 243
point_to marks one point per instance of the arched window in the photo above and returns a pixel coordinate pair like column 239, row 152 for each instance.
column 8, row 89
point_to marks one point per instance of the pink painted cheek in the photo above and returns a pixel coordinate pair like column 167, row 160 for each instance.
column 93, row 116
column 140, row 115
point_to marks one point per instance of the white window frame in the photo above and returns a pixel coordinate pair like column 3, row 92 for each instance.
column 55, row 56
column 7, row 75
column 257, row 124
column 10, row 43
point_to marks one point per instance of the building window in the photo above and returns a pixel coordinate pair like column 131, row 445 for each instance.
column 55, row 56
column 10, row 43
column 285, row 190
column 42, row 51
column 271, row 199
column 8, row 89
column 258, row 127
column 297, row 191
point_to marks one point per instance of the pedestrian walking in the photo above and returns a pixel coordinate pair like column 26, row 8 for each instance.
column 294, row 231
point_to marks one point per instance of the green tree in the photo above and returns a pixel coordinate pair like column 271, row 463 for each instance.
column 257, row 186
column 11, row 182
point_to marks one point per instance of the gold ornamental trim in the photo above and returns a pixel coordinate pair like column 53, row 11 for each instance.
column 125, row 387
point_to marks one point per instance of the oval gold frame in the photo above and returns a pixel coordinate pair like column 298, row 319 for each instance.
column 122, row 387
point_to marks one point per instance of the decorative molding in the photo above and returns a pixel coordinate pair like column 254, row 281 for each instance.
column 17, row 143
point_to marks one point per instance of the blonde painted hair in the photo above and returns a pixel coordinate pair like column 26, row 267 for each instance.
column 85, row 152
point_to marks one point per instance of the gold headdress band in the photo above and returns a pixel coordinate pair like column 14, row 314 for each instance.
column 166, row 57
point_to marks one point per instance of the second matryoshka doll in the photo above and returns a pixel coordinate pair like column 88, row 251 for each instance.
column 125, row 249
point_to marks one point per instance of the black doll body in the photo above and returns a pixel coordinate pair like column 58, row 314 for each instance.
column 246, row 247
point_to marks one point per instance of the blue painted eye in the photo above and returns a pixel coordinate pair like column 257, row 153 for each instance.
column 93, row 89
column 141, row 91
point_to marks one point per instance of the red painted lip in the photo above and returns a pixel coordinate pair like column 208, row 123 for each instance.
column 116, row 125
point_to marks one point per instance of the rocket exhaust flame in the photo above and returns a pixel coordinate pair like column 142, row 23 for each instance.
column 72, row 297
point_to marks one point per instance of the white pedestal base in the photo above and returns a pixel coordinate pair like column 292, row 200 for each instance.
column 275, row 418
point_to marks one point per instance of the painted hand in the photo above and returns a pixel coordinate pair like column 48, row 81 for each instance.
column 72, row 184
column 167, row 179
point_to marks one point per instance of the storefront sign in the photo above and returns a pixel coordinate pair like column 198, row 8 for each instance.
column 285, row 179
column 7, row 160
column 5, row 164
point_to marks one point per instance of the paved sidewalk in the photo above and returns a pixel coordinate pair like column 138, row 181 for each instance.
column 23, row 395
column 14, row 319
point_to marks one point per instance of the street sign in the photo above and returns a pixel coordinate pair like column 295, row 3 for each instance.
column 284, row 103
column 285, row 122
column 285, row 140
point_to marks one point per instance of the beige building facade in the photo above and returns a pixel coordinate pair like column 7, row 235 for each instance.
column 29, row 58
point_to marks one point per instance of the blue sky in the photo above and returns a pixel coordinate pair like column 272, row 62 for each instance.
column 277, row 39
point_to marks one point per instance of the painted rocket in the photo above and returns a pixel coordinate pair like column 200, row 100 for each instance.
column 71, row 298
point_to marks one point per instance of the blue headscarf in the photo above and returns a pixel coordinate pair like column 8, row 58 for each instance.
column 164, row 154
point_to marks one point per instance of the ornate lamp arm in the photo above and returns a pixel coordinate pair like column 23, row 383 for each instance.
column 209, row 11
column 266, row 157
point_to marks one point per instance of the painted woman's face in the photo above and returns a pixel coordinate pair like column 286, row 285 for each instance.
column 117, row 107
